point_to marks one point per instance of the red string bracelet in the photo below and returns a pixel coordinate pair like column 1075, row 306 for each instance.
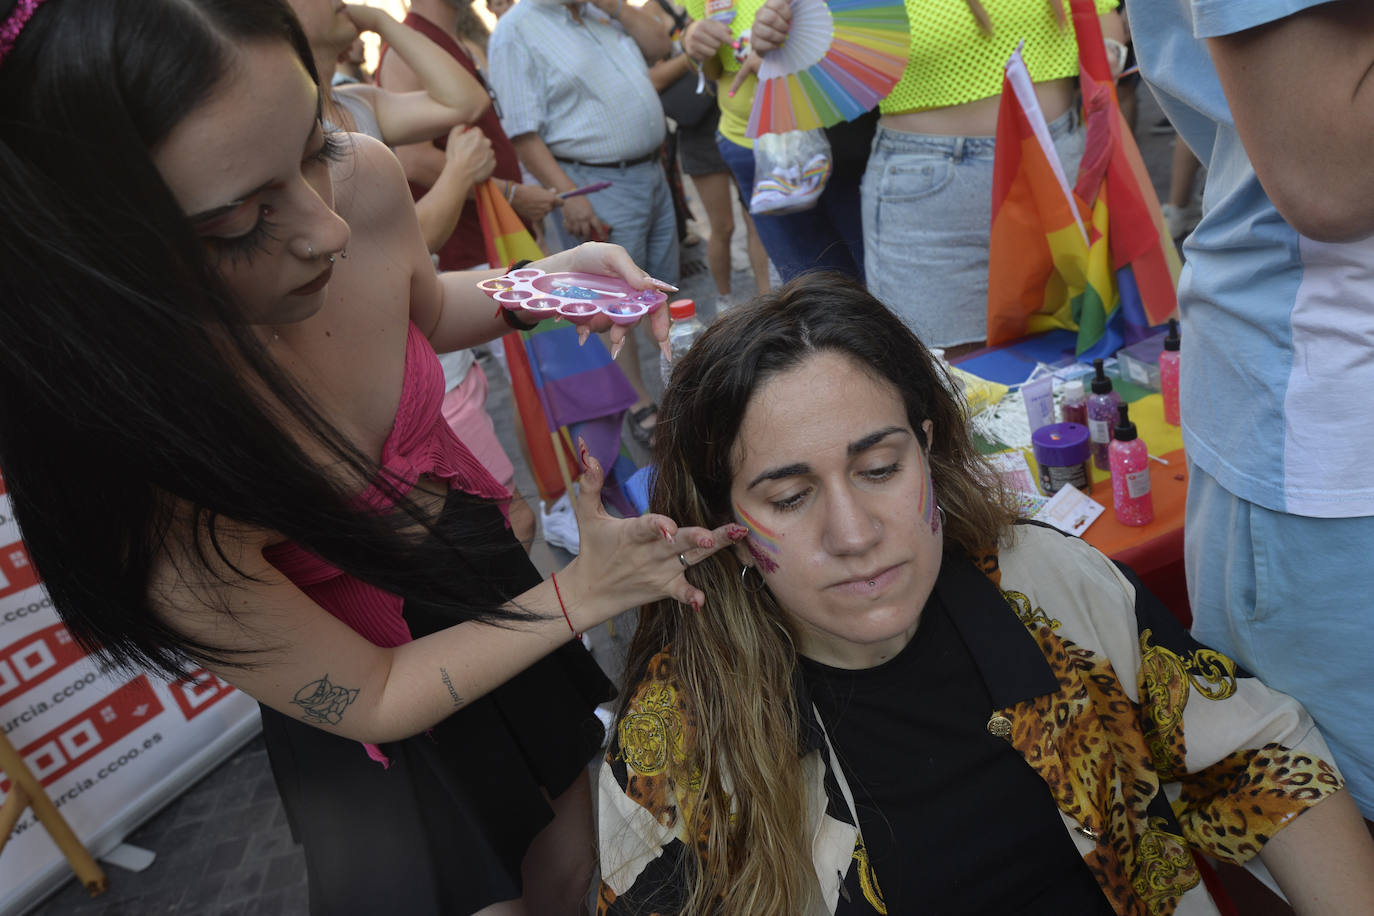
column 563, row 608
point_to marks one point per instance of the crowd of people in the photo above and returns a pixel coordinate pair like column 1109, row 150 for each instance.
column 242, row 271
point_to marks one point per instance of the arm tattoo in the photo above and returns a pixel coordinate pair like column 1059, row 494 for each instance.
column 323, row 703
column 448, row 682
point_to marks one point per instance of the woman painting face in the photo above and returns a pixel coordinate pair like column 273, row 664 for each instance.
column 835, row 489
column 250, row 168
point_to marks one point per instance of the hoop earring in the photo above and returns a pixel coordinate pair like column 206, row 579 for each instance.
column 744, row 581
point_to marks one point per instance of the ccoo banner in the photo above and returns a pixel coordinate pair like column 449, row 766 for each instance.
column 110, row 749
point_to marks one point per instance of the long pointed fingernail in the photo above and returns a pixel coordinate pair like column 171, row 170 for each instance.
column 663, row 285
column 583, row 333
column 666, row 350
column 615, row 348
column 696, row 604
column 735, row 532
column 666, row 536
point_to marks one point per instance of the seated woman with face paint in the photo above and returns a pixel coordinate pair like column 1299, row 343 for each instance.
column 221, row 433
column 898, row 699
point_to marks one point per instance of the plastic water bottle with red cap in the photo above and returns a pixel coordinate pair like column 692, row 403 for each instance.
column 682, row 333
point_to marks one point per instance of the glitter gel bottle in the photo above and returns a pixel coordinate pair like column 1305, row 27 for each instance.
column 1130, row 461
column 1102, row 404
column 1168, row 373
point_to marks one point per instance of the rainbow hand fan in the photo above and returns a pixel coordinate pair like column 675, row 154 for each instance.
column 840, row 59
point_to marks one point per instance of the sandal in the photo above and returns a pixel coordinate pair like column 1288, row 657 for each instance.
column 642, row 434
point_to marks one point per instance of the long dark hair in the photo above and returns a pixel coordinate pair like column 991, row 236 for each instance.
column 127, row 375
column 733, row 663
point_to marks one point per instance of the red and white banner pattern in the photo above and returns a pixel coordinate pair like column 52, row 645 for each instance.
column 109, row 749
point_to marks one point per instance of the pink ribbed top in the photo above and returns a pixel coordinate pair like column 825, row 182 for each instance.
column 420, row 442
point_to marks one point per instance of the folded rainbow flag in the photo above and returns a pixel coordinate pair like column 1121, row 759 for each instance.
column 1094, row 257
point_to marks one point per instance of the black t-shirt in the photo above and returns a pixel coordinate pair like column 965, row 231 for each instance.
column 954, row 821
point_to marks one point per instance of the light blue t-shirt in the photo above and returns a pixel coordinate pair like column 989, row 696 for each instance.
column 1278, row 345
column 580, row 83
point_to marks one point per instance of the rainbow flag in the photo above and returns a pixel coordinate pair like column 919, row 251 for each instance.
column 1093, row 257
column 562, row 390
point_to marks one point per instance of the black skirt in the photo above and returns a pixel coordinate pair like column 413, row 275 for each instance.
column 443, row 828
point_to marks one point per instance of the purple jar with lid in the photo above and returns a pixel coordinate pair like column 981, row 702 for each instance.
column 1062, row 451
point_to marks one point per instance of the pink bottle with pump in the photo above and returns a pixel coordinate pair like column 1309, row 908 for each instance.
column 1168, row 374
column 1130, row 460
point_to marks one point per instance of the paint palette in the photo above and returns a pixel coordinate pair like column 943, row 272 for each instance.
column 578, row 297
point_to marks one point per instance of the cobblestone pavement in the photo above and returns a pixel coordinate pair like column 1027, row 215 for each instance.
column 223, row 847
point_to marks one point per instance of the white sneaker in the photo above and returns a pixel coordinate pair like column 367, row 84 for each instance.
column 559, row 524
column 723, row 305
column 1181, row 220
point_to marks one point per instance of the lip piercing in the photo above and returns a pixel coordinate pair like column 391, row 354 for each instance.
column 681, row 558
column 309, row 251
column 871, row 583
column 330, row 259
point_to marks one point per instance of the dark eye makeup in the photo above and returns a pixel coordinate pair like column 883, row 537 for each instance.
column 245, row 246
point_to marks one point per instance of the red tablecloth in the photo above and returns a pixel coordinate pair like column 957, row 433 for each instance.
column 1153, row 551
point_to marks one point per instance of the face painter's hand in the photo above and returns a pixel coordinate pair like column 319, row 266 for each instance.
column 611, row 261
column 625, row 563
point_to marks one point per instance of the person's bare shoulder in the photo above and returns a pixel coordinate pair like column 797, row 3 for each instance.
column 368, row 179
column 202, row 570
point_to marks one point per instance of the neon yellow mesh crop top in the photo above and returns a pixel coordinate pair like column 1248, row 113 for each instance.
column 953, row 62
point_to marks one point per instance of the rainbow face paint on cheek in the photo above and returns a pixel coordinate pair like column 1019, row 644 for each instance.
column 764, row 561
column 760, row 541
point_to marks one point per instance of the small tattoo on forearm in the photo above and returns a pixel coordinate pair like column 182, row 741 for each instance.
column 322, row 702
column 448, row 682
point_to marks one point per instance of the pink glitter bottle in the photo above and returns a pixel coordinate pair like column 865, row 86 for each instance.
column 1130, row 461
column 1168, row 374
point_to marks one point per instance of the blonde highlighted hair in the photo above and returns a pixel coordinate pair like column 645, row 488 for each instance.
column 735, row 662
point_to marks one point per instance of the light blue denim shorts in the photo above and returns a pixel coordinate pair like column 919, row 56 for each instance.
column 927, row 209
column 1288, row 597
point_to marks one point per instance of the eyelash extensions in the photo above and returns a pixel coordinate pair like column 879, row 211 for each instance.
column 244, row 247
